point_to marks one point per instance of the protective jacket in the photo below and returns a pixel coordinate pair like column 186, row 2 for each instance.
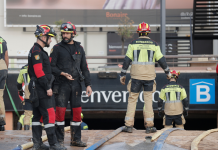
column 175, row 97
column 23, row 77
column 62, row 61
column 143, row 52
column 39, row 67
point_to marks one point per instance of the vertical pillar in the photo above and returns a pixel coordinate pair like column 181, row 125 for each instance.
column 162, row 27
column 85, row 39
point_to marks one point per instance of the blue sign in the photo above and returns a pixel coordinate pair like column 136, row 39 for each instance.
column 202, row 91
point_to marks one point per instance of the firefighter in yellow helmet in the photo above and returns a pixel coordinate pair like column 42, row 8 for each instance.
column 142, row 53
column 175, row 98
column 23, row 77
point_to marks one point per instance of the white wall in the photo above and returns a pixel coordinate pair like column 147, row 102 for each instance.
column 96, row 45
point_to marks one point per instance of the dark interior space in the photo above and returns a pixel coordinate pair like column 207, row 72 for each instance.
column 111, row 124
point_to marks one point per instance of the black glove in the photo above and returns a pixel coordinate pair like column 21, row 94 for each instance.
column 20, row 92
column 160, row 113
column 185, row 113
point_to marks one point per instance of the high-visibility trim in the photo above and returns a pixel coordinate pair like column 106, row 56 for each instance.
column 25, row 78
column 60, row 123
column 75, row 123
column 1, row 41
column 36, row 123
column 2, row 116
column 135, row 56
column 67, row 31
column 166, row 69
column 38, row 70
column 129, row 118
column 143, row 63
column 176, row 101
column 149, row 119
column 178, row 95
column 151, row 56
column 124, row 71
column 51, row 35
column 167, row 96
column 49, row 125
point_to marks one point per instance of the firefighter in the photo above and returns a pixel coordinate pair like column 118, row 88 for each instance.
column 21, row 121
column 4, row 61
column 27, row 106
column 175, row 98
column 142, row 52
column 70, row 68
column 39, row 70
column 84, row 126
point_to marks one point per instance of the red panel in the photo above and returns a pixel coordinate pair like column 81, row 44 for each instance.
column 77, row 114
column 217, row 69
column 51, row 115
column 60, row 113
column 87, row 65
column 50, row 58
column 41, row 120
column 38, row 70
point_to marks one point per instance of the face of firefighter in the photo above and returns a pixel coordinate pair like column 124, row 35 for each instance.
column 44, row 38
column 66, row 36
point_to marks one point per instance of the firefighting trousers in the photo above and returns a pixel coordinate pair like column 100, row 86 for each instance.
column 169, row 120
column 28, row 111
column 134, row 87
column 44, row 111
column 69, row 92
column 3, row 76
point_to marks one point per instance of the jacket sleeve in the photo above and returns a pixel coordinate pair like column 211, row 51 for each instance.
column 20, row 80
column 127, row 60
column 38, row 69
column 161, row 60
column 184, row 99
column 85, row 70
column 53, row 60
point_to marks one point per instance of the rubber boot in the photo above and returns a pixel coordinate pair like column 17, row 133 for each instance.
column 78, row 143
column 76, row 137
column 57, row 146
column 127, row 129
column 38, row 145
column 26, row 127
column 150, row 130
column 19, row 126
column 2, row 128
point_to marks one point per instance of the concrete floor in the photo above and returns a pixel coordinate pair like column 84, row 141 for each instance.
column 177, row 140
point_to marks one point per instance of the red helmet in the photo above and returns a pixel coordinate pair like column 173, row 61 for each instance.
column 44, row 30
column 68, row 27
column 175, row 74
column 144, row 27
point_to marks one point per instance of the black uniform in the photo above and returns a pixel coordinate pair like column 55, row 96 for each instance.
column 40, row 69
column 69, row 58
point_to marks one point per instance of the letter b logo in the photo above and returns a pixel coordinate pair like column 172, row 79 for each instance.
column 202, row 91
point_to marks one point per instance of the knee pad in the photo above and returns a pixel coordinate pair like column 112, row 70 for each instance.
column 60, row 114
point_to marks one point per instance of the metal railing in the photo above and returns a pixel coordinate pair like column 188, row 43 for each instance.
column 211, row 59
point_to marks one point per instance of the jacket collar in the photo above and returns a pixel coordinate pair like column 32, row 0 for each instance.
column 36, row 44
